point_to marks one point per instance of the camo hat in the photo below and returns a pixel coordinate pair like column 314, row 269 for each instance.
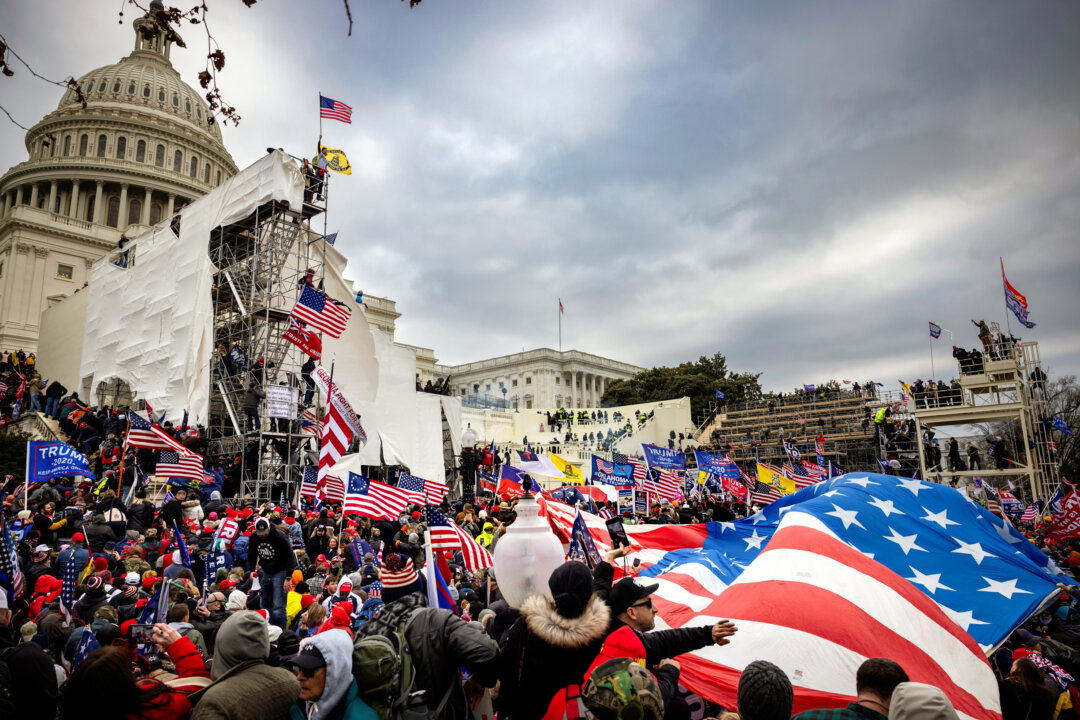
column 621, row 689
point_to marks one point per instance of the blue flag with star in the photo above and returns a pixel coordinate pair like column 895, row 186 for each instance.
column 983, row 573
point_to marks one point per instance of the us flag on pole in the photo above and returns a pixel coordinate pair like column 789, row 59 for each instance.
column 320, row 312
column 433, row 492
column 174, row 465
column 334, row 110
column 9, row 564
column 143, row 434
column 764, row 494
column 446, row 535
column 309, row 487
column 375, row 500
column 1029, row 514
column 333, row 489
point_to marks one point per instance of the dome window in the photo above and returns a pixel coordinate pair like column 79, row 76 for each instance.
column 131, row 88
column 116, row 86
column 140, row 151
column 102, row 141
column 101, row 87
column 198, row 112
column 67, row 145
column 175, row 100
column 187, row 106
column 84, row 145
column 161, row 94
column 206, row 173
column 112, row 218
column 121, row 147
column 177, row 161
column 218, row 178
column 159, row 156
column 194, row 166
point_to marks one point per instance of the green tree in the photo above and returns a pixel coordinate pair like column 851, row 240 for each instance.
column 697, row 380
column 13, row 455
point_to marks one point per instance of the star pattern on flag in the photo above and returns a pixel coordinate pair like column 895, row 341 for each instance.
column 885, row 506
column 932, row 582
column 974, row 550
column 907, row 543
column 1006, row 588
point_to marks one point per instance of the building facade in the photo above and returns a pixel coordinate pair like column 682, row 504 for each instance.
column 541, row 378
column 144, row 145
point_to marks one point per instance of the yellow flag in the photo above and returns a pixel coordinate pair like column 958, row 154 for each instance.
column 702, row 477
column 336, row 161
column 777, row 480
column 571, row 471
column 906, row 387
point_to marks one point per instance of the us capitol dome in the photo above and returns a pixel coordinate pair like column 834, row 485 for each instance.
column 144, row 146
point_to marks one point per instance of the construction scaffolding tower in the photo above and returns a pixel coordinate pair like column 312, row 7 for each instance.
column 1008, row 390
column 261, row 264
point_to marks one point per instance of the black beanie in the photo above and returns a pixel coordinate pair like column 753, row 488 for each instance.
column 765, row 692
column 571, row 587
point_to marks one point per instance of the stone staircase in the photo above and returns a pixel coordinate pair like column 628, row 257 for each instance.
column 36, row 426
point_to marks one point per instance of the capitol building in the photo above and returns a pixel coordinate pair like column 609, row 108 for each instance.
column 144, row 145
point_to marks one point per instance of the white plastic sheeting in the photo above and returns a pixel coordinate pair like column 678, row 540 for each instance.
column 357, row 370
column 451, row 407
column 404, row 426
column 150, row 324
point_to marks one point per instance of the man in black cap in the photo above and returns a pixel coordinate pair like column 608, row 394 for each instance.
column 276, row 560
column 631, row 604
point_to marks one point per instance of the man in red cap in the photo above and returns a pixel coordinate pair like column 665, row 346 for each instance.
column 74, row 553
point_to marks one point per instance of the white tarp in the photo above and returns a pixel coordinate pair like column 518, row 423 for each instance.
column 356, row 371
column 404, row 426
column 451, row 407
column 150, row 324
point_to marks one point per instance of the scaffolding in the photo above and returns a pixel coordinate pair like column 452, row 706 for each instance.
column 261, row 264
column 1007, row 390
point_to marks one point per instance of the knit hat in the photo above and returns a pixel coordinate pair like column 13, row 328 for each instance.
column 297, row 576
column 398, row 577
column 571, row 587
column 237, row 601
column 93, row 582
column 765, row 692
column 100, row 564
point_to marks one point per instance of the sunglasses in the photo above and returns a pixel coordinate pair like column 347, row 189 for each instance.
column 646, row 603
column 301, row 672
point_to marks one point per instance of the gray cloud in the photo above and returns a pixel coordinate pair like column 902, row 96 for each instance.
column 800, row 186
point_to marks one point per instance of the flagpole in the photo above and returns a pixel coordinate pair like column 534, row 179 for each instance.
column 1008, row 324
column 560, row 324
column 933, row 375
column 123, row 456
column 26, row 479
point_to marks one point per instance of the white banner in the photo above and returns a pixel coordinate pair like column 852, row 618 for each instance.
column 321, row 376
column 281, row 401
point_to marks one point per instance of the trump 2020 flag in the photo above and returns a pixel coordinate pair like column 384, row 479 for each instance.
column 48, row 459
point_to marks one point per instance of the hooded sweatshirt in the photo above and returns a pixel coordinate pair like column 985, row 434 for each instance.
column 917, row 701
column 336, row 647
column 241, row 638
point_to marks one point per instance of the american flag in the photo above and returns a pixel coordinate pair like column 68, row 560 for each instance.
column 748, row 481
column 334, row 110
column 143, row 434
column 446, row 535
column 641, row 470
column 309, row 423
column 799, row 479
column 993, row 500
column 309, row 486
column 1030, row 514
column 320, row 312
column 376, row 500
column 333, row 490
column 764, row 494
column 335, row 440
column 9, row 565
column 434, row 492
column 69, row 579
column 374, row 590
column 88, row 643
column 414, row 487
column 667, row 485
column 174, row 465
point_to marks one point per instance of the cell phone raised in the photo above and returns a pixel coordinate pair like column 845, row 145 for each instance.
column 141, row 634
column 617, row 532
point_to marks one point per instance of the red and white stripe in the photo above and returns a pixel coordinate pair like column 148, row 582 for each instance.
column 381, row 501
column 815, row 471
column 335, row 440
column 333, row 489
column 1030, row 515
column 786, row 604
column 641, row 472
column 454, row 538
column 186, row 466
column 668, row 486
column 435, row 491
column 799, row 479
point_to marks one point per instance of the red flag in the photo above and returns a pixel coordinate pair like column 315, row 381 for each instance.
column 1066, row 524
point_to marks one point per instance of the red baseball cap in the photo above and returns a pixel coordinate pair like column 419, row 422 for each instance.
column 77, row 537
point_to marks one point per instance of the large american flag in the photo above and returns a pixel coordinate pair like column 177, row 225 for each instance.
column 375, row 500
column 320, row 312
column 446, row 535
column 334, row 110
column 174, row 465
column 144, row 434
column 335, row 440
column 433, row 492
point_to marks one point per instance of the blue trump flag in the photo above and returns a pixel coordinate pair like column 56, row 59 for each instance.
column 1062, row 426
column 610, row 473
column 48, row 459
column 984, row 574
column 659, row 457
column 582, row 547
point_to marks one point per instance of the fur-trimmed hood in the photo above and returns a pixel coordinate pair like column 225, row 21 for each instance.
column 544, row 621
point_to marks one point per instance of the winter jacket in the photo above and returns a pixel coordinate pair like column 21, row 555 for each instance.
column 274, row 551
column 244, row 687
column 439, row 642
column 191, row 675
column 916, row 701
column 544, row 652
column 192, row 510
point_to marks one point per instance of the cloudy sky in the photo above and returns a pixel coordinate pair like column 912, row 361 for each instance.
column 800, row 186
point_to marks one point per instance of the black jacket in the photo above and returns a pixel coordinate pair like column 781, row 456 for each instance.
column 439, row 642
column 544, row 652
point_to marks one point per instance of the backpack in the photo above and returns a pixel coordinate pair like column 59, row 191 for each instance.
column 240, row 549
column 386, row 677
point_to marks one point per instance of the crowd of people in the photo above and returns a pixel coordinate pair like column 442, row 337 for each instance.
column 273, row 611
